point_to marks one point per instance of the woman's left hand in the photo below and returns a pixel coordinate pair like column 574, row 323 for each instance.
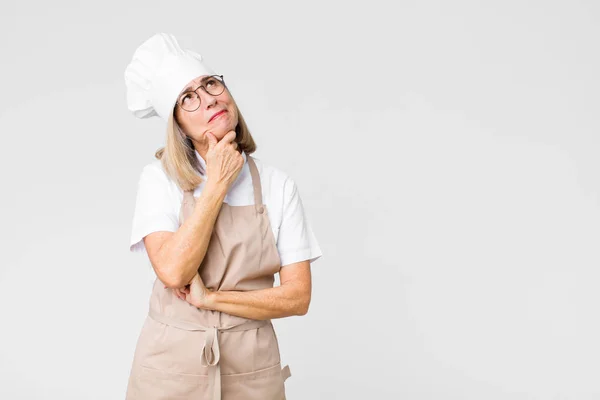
column 199, row 295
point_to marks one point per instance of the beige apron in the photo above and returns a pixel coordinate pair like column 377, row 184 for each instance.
column 184, row 352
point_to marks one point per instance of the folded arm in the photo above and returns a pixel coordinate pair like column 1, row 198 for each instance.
column 292, row 297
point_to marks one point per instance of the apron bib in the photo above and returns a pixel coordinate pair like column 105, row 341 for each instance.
column 184, row 352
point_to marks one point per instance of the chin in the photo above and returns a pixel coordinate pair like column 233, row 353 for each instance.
column 221, row 133
column 226, row 128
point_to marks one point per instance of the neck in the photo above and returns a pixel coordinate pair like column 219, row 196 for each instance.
column 201, row 149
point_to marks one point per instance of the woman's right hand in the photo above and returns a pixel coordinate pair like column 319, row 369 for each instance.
column 223, row 160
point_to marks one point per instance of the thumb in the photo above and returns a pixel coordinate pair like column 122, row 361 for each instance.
column 212, row 140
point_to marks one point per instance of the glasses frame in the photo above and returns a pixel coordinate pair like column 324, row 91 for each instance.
column 219, row 77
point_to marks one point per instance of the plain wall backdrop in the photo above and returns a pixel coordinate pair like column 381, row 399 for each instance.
column 446, row 154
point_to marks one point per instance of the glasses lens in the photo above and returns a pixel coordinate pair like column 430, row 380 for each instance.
column 189, row 101
column 214, row 86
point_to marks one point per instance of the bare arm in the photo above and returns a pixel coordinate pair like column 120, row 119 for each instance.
column 292, row 297
column 176, row 256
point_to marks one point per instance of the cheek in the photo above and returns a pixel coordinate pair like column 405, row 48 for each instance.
column 196, row 122
column 192, row 126
column 234, row 119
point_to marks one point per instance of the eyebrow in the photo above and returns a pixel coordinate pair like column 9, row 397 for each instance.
column 189, row 88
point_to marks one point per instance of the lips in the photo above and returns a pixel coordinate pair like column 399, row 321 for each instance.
column 216, row 115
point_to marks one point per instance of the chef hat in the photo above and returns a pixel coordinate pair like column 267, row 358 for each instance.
column 157, row 73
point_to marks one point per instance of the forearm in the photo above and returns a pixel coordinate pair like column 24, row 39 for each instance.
column 184, row 251
column 278, row 302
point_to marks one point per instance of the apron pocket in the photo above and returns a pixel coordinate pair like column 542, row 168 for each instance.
column 153, row 384
column 264, row 384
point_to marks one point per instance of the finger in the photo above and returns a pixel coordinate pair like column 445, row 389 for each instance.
column 229, row 137
column 212, row 140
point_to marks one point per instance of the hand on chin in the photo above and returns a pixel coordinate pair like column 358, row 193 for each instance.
column 219, row 132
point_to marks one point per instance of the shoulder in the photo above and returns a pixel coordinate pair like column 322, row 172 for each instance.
column 273, row 175
column 153, row 177
column 279, row 187
column 154, row 170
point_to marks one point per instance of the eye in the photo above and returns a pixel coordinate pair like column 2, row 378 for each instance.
column 185, row 97
column 210, row 82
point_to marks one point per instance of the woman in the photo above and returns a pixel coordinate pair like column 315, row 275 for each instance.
column 216, row 224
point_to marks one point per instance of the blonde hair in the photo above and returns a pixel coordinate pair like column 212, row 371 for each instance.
column 178, row 156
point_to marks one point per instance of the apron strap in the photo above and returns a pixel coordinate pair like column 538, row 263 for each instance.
column 255, row 182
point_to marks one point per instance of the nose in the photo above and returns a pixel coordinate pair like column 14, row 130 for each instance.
column 207, row 99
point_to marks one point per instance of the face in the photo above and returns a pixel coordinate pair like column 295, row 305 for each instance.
column 196, row 124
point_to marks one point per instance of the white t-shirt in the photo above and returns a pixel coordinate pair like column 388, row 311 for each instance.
column 159, row 200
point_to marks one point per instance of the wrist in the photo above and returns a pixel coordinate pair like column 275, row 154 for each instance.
column 216, row 189
column 204, row 298
column 212, row 298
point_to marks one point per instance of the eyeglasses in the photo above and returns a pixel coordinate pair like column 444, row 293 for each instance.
column 190, row 100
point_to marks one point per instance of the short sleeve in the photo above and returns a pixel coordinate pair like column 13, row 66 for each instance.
column 296, row 241
column 155, row 207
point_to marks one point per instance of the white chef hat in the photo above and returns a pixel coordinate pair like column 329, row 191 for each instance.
column 157, row 73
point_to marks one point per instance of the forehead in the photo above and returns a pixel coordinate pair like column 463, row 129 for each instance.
column 195, row 82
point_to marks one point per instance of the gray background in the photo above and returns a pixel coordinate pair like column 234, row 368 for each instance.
column 446, row 154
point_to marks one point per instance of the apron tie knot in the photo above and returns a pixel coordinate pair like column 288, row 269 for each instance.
column 210, row 351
